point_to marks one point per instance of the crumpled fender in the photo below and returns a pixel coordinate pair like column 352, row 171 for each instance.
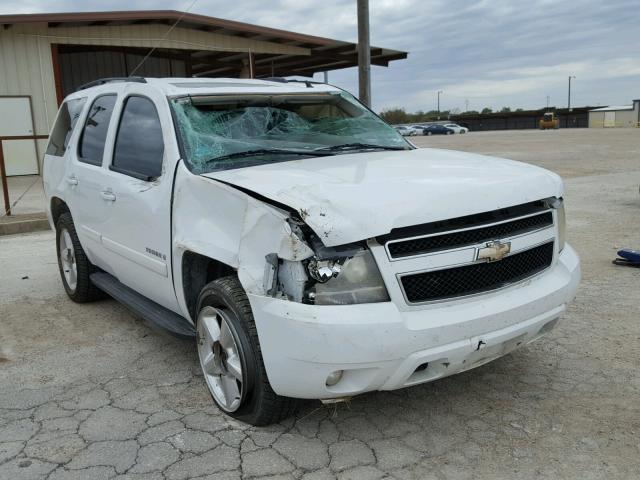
column 266, row 231
column 221, row 222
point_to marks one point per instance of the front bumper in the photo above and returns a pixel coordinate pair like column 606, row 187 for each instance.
column 382, row 347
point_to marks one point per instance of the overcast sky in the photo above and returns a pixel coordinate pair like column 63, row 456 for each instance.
column 492, row 53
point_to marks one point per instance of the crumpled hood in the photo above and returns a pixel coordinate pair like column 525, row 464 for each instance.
column 352, row 197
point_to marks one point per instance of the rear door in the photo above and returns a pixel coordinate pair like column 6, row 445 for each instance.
column 138, row 186
column 85, row 179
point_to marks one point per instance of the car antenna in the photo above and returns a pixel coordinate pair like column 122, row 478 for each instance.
column 166, row 34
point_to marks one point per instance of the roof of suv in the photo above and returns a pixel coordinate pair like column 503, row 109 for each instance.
column 203, row 86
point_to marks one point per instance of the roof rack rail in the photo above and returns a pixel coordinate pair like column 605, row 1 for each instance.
column 308, row 83
column 102, row 81
column 275, row 79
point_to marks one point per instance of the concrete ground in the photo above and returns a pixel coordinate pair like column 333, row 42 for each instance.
column 89, row 392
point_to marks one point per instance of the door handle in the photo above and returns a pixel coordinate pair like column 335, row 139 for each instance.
column 72, row 180
column 108, row 195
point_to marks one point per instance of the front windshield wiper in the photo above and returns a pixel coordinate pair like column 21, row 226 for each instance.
column 264, row 151
column 357, row 146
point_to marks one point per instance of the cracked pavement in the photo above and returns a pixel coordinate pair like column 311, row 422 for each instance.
column 90, row 392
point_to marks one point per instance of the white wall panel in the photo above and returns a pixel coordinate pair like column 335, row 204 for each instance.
column 15, row 117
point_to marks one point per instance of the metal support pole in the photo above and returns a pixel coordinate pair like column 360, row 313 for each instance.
column 5, row 187
column 439, row 92
column 569, row 94
column 364, row 53
column 252, row 65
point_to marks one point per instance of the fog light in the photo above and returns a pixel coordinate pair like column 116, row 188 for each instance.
column 334, row 378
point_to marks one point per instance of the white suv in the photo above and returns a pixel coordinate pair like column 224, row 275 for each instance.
column 311, row 251
column 456, row 128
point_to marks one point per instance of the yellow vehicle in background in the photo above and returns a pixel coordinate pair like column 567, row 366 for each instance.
column 549, row 120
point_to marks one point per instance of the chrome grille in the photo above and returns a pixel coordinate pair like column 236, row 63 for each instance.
column 476, row 278
column 437, row 242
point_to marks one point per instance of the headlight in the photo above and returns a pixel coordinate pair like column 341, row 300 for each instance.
column 562, row 223
column 355, row 280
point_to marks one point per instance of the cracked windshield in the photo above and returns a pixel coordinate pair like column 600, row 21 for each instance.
column 224, row 132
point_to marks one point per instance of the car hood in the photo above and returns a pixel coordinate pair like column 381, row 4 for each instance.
column 352, row 197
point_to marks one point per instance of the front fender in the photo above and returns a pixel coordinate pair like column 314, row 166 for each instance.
column 220, row 222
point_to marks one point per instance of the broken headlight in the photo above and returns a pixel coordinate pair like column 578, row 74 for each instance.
column 347, row 281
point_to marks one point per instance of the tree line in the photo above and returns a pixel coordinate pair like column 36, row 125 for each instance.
column 399, row 115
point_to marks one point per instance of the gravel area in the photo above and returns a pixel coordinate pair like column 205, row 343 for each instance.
column 89, row 392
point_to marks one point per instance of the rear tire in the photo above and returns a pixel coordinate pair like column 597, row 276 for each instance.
column 232, row 363
column 75, row 268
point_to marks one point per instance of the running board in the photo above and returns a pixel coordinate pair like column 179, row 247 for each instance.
column 149, row 310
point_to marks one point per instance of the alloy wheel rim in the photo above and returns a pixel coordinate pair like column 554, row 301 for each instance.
column 220, row 358
column 68, row 259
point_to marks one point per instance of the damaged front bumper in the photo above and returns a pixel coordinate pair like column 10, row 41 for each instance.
column 382, row 347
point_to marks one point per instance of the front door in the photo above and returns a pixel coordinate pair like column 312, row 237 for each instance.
column 136, row 235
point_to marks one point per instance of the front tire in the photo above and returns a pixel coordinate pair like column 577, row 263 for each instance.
column 75, row 268
column 231, row 358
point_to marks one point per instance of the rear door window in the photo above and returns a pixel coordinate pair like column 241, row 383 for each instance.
column 139, row 146
column 65, row 122
column 96, row 126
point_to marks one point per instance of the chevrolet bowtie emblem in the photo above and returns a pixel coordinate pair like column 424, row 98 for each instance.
column 494, row 251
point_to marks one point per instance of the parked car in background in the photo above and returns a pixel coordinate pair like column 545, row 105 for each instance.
column 437, row 130
column 407, row 131
column 456, row 128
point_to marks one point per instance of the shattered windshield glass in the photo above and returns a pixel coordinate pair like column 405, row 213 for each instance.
column 220, row 132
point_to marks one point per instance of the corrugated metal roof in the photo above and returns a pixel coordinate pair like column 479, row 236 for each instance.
column 612, row 108
column 325, row 54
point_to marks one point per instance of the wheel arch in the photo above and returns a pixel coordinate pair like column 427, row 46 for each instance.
column 197, row 271
column 57, row 207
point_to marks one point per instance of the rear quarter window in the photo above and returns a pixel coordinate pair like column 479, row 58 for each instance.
column 63, row 128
